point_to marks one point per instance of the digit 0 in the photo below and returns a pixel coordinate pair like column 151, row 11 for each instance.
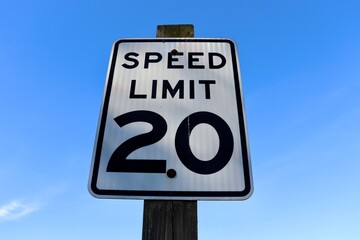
column 183, row 149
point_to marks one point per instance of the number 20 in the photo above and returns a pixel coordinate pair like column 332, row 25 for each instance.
column 120, row 163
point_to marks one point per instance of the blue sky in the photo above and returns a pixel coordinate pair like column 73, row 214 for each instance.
column 300, row 64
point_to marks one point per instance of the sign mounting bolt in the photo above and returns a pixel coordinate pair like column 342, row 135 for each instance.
column 171, row 173
column 174, row 52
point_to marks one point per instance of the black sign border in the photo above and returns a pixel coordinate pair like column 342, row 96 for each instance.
column 143, row 194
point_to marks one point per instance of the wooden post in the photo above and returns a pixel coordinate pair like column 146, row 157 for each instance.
column 171, row 220
column 175, row 31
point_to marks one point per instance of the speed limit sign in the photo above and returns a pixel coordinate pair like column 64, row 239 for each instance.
column 172, row 123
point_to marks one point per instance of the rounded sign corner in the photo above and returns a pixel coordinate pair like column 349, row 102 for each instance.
column 94, row 191
column 248, row 192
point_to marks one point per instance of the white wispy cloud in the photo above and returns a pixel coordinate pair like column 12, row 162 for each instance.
column 17, row 209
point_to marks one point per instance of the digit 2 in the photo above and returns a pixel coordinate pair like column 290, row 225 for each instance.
column 118, row 161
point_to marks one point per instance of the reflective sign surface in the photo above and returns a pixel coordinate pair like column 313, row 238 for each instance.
column 172, row 123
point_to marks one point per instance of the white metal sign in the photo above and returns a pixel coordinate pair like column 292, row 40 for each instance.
column 172, row 123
